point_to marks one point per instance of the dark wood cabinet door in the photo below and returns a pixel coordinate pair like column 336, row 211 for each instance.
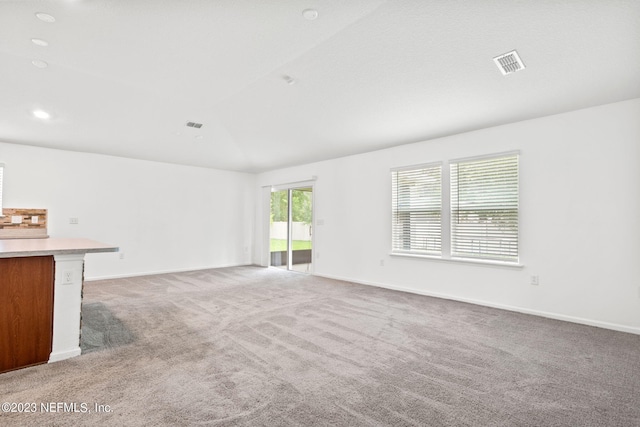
column 26, row 311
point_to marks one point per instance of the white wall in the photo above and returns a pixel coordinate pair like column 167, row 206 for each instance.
column 164, row 217
column 580, row 218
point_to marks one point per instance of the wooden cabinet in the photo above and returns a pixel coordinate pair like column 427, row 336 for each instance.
column 26, row 311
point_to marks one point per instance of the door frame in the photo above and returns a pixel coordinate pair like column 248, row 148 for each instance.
column 291, row 186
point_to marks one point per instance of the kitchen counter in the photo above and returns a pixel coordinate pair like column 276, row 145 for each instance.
column 41, row 284
column 12, row 248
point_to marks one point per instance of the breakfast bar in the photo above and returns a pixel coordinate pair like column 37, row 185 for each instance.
column 41, row 298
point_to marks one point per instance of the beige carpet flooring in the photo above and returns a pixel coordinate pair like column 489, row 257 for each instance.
column 250, row 346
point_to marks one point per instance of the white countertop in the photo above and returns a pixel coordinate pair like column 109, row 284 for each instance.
column 11, row 248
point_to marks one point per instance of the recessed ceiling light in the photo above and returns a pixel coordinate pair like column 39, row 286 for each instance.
column 41, row 114
column 45, row 17
column 310, row 14
column 40, row 42
column 39, row 63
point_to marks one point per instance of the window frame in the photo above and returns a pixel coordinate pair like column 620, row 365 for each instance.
column 1, row 184
column 395, row 209
column 447, row 216
column 501, row 257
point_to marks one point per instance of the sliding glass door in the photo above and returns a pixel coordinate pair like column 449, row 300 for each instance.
column 291, row 229
column 279, row 229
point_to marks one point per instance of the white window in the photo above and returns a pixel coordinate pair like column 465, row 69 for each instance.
column 474, row 215
column 417, row 210
column 1, row 174
column 484, row 208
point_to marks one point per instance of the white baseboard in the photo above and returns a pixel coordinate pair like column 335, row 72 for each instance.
column 62, row 355
column 556, row 316
column 151, row 273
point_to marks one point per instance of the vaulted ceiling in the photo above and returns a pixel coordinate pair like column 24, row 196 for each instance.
column 273, row 88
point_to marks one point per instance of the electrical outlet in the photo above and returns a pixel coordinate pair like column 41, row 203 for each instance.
column 73, row 220
column 535, row 280
column 67, row 277
column 121, row 255
column 381, row 263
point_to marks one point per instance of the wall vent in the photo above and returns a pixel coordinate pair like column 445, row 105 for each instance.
column 194, row 125
column 509, row 63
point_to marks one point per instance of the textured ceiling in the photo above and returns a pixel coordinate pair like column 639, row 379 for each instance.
column 124, row 77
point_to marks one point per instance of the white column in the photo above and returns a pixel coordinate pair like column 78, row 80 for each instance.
column 67, row 303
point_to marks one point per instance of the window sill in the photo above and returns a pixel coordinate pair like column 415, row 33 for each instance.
column 481, row 262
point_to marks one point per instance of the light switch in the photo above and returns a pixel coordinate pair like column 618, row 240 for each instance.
column 16, row 219
column 34, row 219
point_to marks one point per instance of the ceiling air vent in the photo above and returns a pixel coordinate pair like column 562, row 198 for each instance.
column 509, row 63
column 194, row 125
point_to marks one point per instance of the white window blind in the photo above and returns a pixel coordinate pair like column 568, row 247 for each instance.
column 484, row 208
column 1, row 174
column 417, row 210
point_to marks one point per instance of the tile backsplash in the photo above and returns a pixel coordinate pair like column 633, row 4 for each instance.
column 20, row 223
